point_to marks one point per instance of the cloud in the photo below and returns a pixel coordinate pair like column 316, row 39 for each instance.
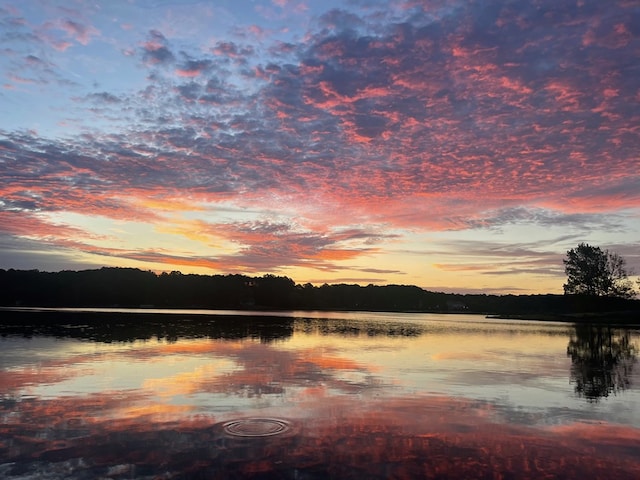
column 232, row 51
column 155, row 51
column 104, row 97
column 267, row 246
column 536, row 258
column 193, row 68
column 441, row 117
column 63, row 33
column 547, row 218
column 373, row 112
column 79, row 32
column 20, row 252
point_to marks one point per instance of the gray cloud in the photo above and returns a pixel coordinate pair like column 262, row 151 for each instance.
column 155, row 51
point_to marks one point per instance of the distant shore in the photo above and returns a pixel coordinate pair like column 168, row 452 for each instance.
column 134, row 288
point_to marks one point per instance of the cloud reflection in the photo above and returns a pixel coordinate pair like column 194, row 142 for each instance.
column 350, row 415
column 399, row 437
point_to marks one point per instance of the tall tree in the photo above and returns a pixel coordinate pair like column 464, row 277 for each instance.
column 593, row 271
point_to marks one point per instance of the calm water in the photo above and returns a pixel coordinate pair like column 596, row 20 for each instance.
column 315, row 395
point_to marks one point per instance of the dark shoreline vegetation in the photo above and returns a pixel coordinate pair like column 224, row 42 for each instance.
column 134, row 288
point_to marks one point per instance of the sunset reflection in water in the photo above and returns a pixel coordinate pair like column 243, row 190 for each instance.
column 368, row 396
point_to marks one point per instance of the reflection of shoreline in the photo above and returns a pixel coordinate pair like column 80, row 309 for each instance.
column 110, row 326
column 612, row 318
column 602, row 360
column 347, row 328
column 62, row 314
column 126, row 327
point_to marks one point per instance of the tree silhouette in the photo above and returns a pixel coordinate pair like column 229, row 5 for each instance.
column 596, row 272
column 602, row 360
column 131, row 287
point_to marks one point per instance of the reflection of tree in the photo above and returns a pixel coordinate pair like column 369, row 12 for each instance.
column 347, row 328
column 128, row 327
column 601, row 360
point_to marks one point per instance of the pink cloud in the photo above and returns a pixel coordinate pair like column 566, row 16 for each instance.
column 33, row 225
column 59, row 45
column 78, row 31
column 415, row 124
column 22, row 80
column 62, row 33
column 188, row 73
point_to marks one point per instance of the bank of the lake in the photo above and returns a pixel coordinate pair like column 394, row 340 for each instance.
column 625, row 317
column 127, row 287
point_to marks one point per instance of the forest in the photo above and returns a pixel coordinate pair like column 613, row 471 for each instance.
column 130, row 287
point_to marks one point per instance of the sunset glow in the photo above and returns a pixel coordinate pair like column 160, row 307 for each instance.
column 454, row 145
column 392, row 395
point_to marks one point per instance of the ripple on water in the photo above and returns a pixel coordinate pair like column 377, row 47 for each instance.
column 256, row 427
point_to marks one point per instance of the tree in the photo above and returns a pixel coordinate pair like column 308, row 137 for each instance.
column 596, row 272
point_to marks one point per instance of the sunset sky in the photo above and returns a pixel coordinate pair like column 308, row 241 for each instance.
column 457, row 145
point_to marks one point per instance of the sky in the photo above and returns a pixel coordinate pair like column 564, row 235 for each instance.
column 461, row 146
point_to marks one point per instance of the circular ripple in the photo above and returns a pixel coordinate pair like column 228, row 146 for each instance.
column 256, row 427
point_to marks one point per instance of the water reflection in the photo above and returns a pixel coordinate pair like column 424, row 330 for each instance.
column 355, row 328
column 602, row 360
column 111, row 327
column 361, row 397
column 420, row 437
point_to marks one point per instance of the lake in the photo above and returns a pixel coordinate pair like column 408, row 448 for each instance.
column 153, row 394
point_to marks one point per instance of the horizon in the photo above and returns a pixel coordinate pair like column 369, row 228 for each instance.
column 456, row 147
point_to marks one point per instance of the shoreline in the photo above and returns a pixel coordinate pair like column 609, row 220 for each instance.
column 613, row 318
column 626, row 318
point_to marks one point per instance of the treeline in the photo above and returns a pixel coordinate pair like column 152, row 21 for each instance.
column 129, row 287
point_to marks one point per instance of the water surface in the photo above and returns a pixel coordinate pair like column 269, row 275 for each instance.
column 196, row 394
